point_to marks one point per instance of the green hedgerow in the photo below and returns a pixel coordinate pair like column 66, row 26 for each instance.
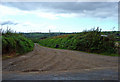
column 14, row 42
column 89, row 41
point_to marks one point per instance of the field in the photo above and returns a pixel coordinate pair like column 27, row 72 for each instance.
column 35, row 37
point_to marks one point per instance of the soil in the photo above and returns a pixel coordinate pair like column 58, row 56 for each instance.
column 44, row 60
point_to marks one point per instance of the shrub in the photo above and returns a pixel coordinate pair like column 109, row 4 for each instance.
column 15, row 42
column 89, row 41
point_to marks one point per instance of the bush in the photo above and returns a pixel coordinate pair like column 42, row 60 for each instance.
column 89, row 41
column 15, row 42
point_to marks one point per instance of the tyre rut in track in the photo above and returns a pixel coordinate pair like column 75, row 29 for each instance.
column 47, row 59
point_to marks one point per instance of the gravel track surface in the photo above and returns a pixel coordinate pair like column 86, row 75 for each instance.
column 43, row 60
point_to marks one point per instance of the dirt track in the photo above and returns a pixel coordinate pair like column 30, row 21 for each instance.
column 43, row 59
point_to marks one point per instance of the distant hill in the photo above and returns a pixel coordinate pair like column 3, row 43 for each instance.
column 36, row 36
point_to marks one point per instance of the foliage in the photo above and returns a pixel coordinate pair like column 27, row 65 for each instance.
column 89, row 41
column 15, row 42
column 35, row 37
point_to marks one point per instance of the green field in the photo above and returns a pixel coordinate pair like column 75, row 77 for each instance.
column 35, row 37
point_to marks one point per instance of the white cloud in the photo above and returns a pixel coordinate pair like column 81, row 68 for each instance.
column 23, row 25
column 97, row 13
column 11, row 11
column 44, row 14
column 8, row 11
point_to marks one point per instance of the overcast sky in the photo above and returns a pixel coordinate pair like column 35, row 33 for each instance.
column 58, row 16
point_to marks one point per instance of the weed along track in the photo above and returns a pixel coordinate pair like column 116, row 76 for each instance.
column 47, row 59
